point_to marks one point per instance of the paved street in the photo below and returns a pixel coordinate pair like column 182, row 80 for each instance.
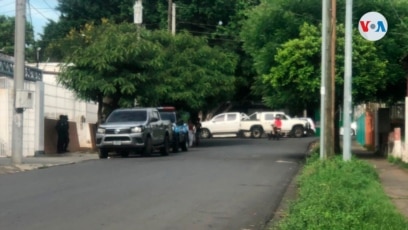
column 223, row 184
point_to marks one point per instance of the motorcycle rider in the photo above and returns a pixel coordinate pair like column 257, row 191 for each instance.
column 277, row 126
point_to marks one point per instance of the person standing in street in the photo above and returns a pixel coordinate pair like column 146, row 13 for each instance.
column 197, row 125
column 62, row 128
column 191, row 131
column 66, row 140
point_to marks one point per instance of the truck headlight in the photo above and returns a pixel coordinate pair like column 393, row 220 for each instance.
column 136, row 129
column 101, row 130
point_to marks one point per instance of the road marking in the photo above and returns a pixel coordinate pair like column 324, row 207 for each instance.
column 286, row 162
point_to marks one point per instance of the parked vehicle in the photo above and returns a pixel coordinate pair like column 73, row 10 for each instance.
column 353, row 129
column 276, row 134
column 226, row 124
column 311, row 130
column 260, row 123
column 136, row 129
column 179, row 128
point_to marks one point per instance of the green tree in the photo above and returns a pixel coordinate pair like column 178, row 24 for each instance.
column 197, row 17
column 275, row 22
column 75, row 14
column 294, row 82
column 7, row 31
column 151, row 67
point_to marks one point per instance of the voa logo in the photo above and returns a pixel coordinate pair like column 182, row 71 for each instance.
column 373, row 26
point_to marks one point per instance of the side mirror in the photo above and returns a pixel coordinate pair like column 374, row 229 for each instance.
column 153, row 119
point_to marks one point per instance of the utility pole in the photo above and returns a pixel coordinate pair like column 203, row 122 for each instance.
column 38, row 56
column 330, row 105
column 169, row 13
column 138, row 12
column 173, row 18
column 138, row 16
column 347, row 81
column 19, row 40
column 324, row 74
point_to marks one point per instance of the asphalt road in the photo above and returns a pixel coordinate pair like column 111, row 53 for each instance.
column 223, row 184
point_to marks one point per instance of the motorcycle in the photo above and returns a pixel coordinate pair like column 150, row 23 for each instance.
column 276, row 133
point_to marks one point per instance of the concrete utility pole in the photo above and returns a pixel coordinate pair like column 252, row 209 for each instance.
column 169, row 13
column 17, row 137
column 173, row 18
column 324, row 74
column 347, row 81
column 138, row 12
column 38, row 56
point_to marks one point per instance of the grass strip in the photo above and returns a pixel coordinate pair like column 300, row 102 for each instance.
column 334, row 194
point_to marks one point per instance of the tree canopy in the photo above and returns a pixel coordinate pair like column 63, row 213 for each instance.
column 149, row 67
column 278, row 22
column 7, row 31
column 217, row 21
column 296, row 76
column 257, row 32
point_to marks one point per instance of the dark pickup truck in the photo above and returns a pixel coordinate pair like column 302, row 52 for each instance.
column 139, row 130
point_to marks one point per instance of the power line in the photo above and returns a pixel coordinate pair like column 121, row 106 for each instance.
column 46, row 3
column 39, row 12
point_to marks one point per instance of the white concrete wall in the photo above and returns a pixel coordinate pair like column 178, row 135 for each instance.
column 6, row 119
column 5, row 124
column 57, row 101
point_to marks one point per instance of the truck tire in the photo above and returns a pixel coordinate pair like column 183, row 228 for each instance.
column 256, row 132
column 205, row 133
column 148, row 148
column 165, row 149
column 103, row 153
column 297, row 131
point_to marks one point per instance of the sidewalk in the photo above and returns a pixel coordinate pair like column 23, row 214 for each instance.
column 394, row 179
column 47, row 160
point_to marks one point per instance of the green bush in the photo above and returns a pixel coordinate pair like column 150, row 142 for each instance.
column 334, row 194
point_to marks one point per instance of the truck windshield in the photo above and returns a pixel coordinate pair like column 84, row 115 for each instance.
column 168, row 116
column 127, row 116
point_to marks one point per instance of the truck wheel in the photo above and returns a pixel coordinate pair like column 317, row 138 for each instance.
column 165, row 150
column 148, row 148
column 184, row 144
column 256, row 132
column 298, row 131
column 205, row 133
column 103, row 153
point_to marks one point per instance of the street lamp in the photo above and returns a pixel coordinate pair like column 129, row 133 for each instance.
column 38, row 55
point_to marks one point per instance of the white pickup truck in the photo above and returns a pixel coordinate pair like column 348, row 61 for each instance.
column 225, row 124
column 260, row 123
